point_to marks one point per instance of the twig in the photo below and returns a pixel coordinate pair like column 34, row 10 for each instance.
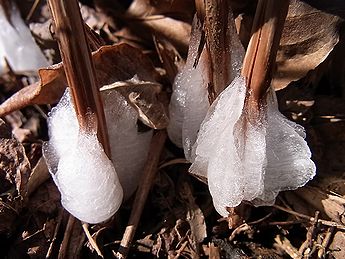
column 149, row 173
column 306, row 247
column 66, row 237
column 325, row 243
column 284, row 223
column 286, row 246
column 79, row 69
column 183, row 247
column 219, row 29
column 57, row 226
column 323, row 222
column 91, row 240
column 32, row 10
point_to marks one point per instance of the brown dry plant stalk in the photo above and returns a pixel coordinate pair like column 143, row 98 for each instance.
column 261, row 53
column 79, row 69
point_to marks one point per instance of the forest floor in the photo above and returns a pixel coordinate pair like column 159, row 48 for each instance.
column 178, row 220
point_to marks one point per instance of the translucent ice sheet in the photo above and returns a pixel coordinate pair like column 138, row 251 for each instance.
column 246, row 159
column 17, row 44
column 86, row 178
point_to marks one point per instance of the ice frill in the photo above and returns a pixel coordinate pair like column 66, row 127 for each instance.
column 249, row 159
column 189, row 102
column 86, row 178
column 129, row 147
column 188, row 83
column 17, row 44
column 90, row 185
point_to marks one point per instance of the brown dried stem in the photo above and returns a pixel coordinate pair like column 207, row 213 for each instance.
column 151, row 167
column 263, row 46
column 219, row 24
column 79, row 69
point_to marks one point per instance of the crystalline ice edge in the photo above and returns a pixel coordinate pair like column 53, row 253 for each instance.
column 129, row 148
column 251, row 161
column 186, row 78
column 288, row 156
column 189, row 102
column 17, row 44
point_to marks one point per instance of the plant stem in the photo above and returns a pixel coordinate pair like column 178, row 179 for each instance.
column 79, row 69
column 149, row 172
column 219, row 25
column 263, row 46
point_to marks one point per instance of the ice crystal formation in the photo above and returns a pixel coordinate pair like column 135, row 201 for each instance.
column 243, row 157
column 89, row 183
column 17, row 44
column 251, row 160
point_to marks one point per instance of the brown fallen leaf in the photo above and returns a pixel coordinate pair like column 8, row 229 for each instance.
column 330, row 205
column 309, row 35
column 38, row 176
column 112, row 63
column 170, row 58
column 194, row 216
column 14, row 172
column 14, row 168
column 169, row 19
column 337, row 247
column 142, row 96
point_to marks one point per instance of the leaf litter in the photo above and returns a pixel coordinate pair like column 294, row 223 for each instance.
column 179, row 219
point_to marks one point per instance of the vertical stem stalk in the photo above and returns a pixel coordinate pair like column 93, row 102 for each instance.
column 79, row 69
column 263, row 46
column 218, row 22
column 149, row 173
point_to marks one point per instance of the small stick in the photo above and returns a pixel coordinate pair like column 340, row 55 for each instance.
column 66, row 237
column 325, row 243
column 322, row 221
column 32, row 10
column 79, row 69
column 306, row 247
column 219, row 28
column 151, row 166
column 91, row 240
column 57, row 226
column 286, row 246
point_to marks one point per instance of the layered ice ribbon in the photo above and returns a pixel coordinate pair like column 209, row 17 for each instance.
column 249, row 160
column 89, row 183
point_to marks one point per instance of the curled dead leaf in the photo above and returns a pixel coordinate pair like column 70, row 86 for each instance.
column 143, row 97
column 112, row 63
column 14, row 173
column 309, row 35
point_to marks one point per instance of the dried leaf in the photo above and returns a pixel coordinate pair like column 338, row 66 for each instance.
column 329, row 205
column 38, row 176
column 195, row 217
column 308, row 37
column 14, row 172
column 112, row 63
column 170, row 58
column 15, row 167
column 161, row 17
column 46, row 199
column 337, row 247
column 143, row 97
